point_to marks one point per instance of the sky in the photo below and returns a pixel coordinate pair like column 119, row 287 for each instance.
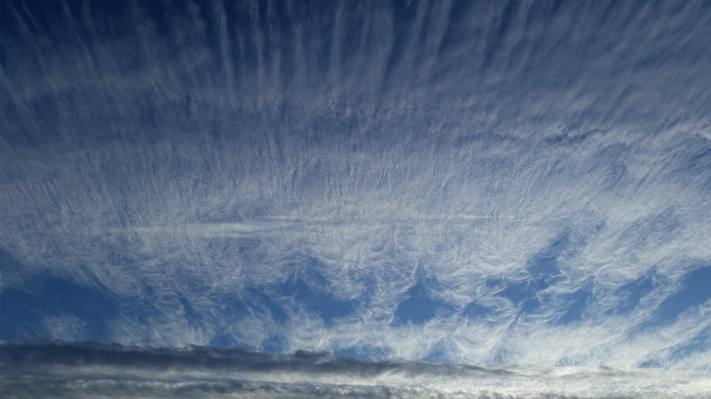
column 494, row 183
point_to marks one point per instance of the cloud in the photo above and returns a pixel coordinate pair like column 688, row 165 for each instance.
column 187, row 163
column 86, row 369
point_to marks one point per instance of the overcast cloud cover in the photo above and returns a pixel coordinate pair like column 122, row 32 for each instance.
column 491, row 183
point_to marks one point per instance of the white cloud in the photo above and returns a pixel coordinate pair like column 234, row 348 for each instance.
column 431, row 144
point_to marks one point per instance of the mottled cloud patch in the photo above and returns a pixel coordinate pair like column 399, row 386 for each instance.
column 78, row 370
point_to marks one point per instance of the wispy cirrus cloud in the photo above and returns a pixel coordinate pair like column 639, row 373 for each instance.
column 212, row 170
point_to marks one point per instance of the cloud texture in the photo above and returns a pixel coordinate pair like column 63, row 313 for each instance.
column 488, row 182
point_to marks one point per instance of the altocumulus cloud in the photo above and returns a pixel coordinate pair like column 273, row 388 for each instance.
column 78, row 370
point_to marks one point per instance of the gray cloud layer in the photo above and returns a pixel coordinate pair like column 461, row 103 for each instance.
column 95, row 370
column 195, row 163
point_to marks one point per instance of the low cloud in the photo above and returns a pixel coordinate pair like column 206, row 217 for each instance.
column 88, row 369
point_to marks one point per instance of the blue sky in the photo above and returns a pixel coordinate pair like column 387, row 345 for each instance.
column 492, row 183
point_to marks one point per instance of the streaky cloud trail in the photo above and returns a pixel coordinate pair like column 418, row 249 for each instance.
column 93, row 370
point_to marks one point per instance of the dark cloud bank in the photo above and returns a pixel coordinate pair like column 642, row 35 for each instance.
column 91, row 369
